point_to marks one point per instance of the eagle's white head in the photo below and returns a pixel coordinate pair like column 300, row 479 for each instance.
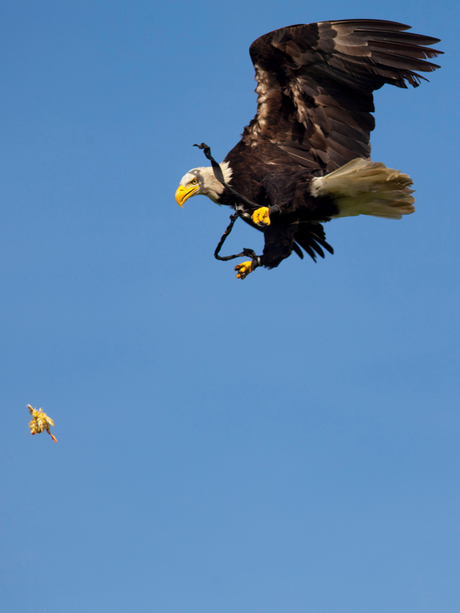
column 202, row 181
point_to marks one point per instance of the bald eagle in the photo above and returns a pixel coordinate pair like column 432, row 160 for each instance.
column 305, row 157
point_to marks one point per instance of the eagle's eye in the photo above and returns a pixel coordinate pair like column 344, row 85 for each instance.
column 194, row 181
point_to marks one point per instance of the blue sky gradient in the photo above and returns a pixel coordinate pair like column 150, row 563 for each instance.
column 289, row 442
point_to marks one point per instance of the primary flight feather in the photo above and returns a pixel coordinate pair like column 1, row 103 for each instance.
column 305, row 157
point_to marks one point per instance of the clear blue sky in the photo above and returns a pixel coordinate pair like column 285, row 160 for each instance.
column 287, row 443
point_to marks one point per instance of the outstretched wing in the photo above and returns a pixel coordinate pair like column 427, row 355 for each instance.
column 315, row 85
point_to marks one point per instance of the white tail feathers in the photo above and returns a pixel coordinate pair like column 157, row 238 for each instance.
column 362, row 187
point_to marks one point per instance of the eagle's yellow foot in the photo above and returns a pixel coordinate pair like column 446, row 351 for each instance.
column 244, row 269
column 261, row 217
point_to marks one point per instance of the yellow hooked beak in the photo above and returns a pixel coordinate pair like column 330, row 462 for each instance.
column 183, row 193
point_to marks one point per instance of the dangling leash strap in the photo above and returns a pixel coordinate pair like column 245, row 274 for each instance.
column 239, row 211
column 249, row 253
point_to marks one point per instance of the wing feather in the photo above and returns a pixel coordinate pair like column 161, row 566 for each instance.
column 312, row 238
column 315, row 85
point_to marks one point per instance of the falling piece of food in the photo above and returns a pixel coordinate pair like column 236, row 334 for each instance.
column 40, row 421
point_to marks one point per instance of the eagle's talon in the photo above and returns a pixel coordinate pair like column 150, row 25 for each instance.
column 261, row 217
column 244, row 269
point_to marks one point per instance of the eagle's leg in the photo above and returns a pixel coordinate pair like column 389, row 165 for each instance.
column 279, row 243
